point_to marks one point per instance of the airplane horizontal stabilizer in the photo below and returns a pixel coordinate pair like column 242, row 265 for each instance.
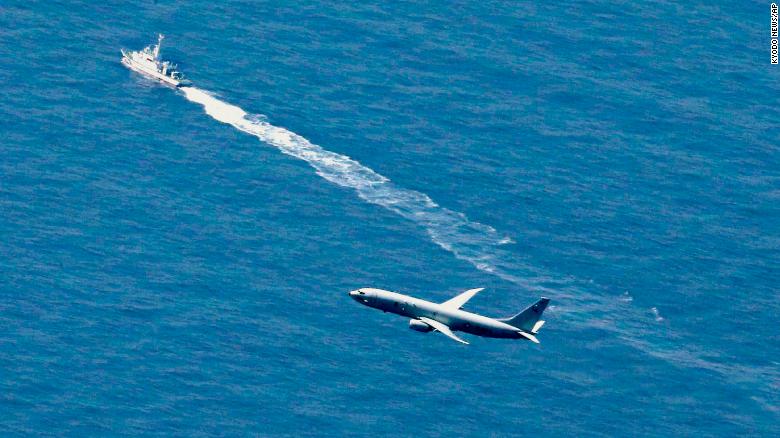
column 529, row 336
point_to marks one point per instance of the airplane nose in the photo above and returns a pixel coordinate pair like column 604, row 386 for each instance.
column 358, row 296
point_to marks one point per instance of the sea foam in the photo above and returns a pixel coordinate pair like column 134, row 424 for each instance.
column 467, row 240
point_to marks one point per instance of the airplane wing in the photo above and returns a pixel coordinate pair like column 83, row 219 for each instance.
column 460, row 300
column 442, row 328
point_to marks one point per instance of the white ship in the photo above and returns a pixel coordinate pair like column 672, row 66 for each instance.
column 147, row 62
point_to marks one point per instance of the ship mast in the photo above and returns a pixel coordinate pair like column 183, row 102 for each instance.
column 157, row 47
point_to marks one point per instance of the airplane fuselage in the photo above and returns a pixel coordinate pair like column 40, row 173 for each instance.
column 414, row 308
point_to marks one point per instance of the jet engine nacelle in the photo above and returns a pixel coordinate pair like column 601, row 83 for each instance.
column 416, row 324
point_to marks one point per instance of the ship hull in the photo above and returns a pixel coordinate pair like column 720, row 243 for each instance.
column 151, row 73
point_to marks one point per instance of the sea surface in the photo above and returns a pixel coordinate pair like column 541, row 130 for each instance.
column 177, row 262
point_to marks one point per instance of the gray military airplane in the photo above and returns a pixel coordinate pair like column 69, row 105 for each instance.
column 448, row 316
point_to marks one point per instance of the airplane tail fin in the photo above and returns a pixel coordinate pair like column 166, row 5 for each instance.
column 528, row 320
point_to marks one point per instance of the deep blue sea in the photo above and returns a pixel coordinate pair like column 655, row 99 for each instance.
column 177, row 262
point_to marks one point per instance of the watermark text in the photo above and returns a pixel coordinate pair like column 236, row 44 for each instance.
column 773, row 29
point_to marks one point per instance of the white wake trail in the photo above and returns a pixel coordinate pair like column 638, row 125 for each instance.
column 452, row 231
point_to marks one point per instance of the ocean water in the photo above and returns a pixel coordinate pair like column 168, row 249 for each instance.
column 177, row 262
